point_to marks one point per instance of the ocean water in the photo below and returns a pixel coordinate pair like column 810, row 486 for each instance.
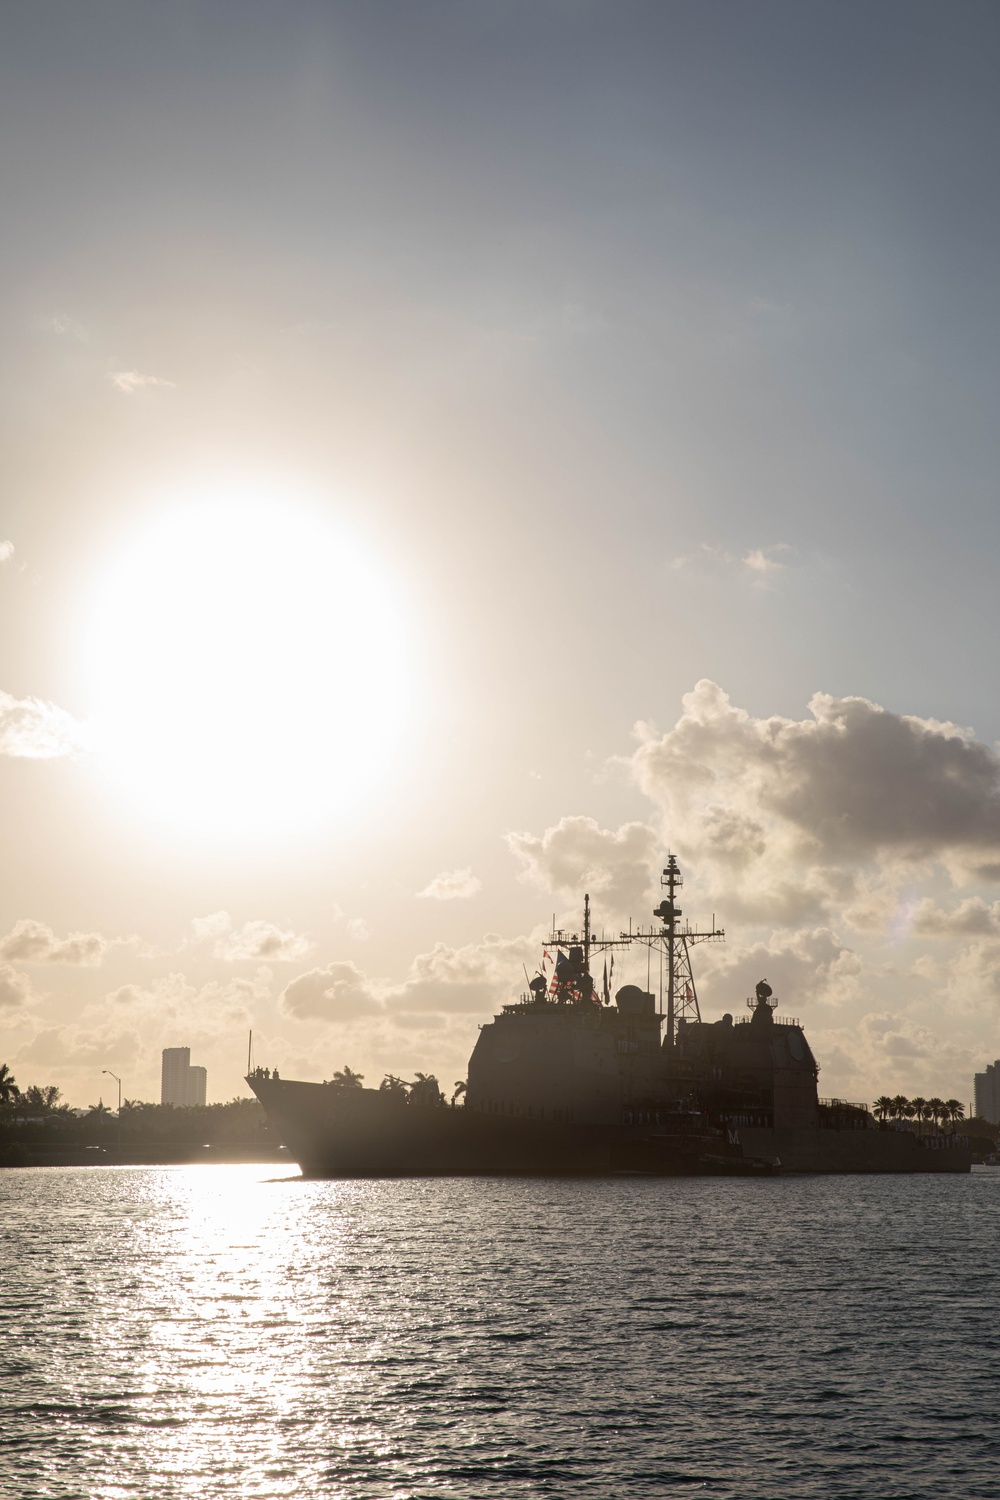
column 220, row 1331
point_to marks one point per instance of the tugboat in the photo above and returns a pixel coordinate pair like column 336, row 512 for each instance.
column 567, row 1081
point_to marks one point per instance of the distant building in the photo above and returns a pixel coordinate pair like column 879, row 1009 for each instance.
column 197, row 1084
column 181, row 1084
column 988, row 1093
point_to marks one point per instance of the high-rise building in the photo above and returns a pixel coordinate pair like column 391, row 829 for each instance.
column 197, row 1084
column 181, row 1084
column 988, row 1093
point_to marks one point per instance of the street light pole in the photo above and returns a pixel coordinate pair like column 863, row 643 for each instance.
column 119, row 1083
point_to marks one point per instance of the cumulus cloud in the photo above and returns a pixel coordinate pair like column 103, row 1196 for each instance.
column 132, row 380
column 15, row 989
column 970, row 918
column 578, row 855
column 338, row 992
column 468, row 979
column 6, row 551
column 34, row 730
column 31, row 942
column 854, row 782
column 172, row 1002
column 254, row 941
column 452, row 885
column 804, row 968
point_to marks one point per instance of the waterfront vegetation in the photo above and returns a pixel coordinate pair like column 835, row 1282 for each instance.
column 936, row 1112
column 36, row 1125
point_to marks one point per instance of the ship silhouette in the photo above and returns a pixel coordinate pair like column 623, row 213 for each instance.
column 568, row 1080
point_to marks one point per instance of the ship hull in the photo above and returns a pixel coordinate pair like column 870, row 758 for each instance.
column 345, row 1133
column 817, row 1149
column 363, row 1133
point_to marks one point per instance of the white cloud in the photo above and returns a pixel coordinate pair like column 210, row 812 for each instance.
column 763, row 561
column 577, row 855
column 452, row 885
column 760, row 565
column 67, row 327
column 132, row 380
column 31, row 942
column 254, row 941
column 6, row 551
column 33, row 730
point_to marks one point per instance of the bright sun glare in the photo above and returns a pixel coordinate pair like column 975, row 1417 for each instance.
column 246, row 665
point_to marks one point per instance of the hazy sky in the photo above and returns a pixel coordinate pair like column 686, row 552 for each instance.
column 399, row 402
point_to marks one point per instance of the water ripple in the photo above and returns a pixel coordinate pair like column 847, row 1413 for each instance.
column 220, row 1331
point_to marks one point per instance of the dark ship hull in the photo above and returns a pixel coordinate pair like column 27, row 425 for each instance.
column 334, row 1132
column 340, row 1133
column 567, row 1082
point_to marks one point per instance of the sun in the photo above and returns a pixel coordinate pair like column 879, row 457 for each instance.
column 248, row 667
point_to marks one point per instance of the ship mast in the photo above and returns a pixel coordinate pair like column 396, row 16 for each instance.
column 675, row 942
column 669, row 939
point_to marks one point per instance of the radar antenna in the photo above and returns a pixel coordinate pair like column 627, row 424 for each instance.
column 675, row 942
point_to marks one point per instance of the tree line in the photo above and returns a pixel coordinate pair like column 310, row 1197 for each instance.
column 936, row 1111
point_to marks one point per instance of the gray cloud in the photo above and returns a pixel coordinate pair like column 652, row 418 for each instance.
column 577, row 854
column 15, row 989
column 852, row 782
column 258, row 941
column 448, row 980
column 31, row 942
column 339, row 992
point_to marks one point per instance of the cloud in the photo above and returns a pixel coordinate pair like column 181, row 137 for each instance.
column 469, row 979
column 6, row 551
column 67, row 327
column 15, row 989
column 579, row 855
column 31, row 942
column 76, row 1046
column 760, row 565
column 339, row 992
column 853, row 782
column 172, row 1003
column 763, row 562
column 970, row 918
column 131, row 380
column 258, row 940
column 804, row 968
column 452, row 885
column 33, row 730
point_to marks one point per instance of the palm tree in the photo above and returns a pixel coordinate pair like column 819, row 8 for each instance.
column 936, row 1106
column 883, row 1106
column 460, row 1088
column 917, row 1106
column 8, row 1088
column 956, row 1111
column 899, row 1106
column 346, row 1078
column 392, row 1085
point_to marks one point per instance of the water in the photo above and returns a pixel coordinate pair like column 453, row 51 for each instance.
column 234, row 1331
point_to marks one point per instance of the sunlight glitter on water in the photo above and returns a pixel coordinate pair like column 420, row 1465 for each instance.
column 238, row 1331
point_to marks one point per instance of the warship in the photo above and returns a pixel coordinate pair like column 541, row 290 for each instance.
column 570, row 1080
